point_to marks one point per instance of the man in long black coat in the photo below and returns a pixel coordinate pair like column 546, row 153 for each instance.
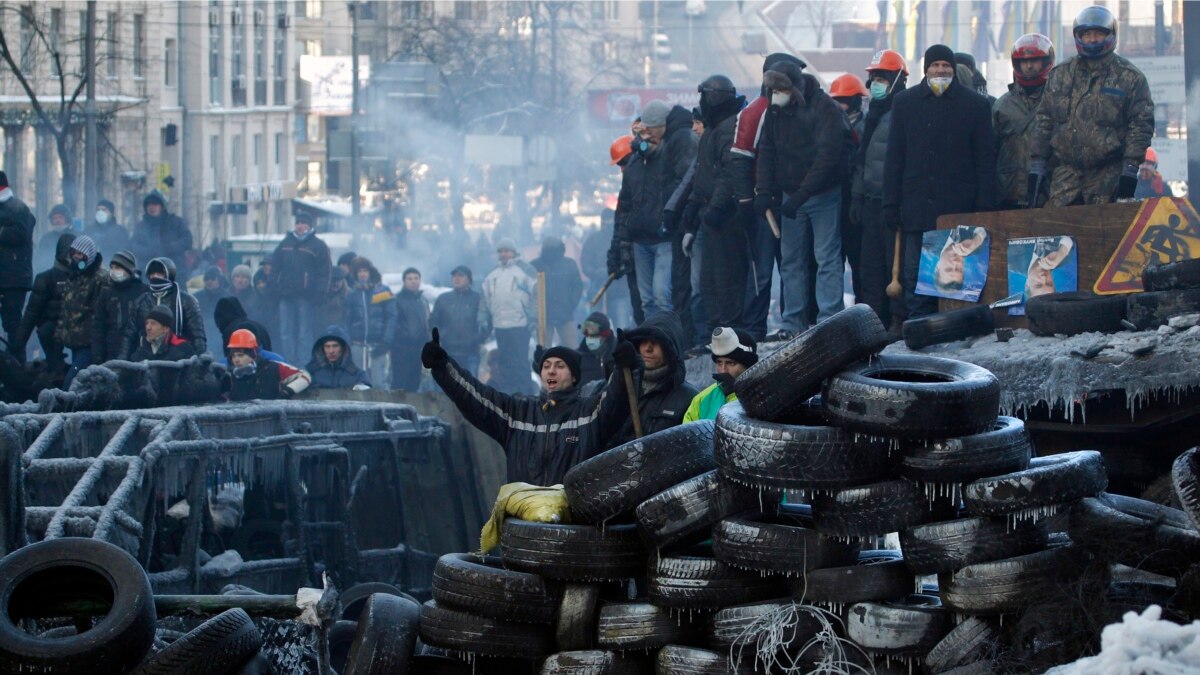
column 941, row 159
column 16, row 262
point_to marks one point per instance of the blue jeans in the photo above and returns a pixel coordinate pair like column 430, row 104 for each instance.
column 814, row 232
column 653, row 265
column 296, row 330
column 764, row 255
column 81, row 358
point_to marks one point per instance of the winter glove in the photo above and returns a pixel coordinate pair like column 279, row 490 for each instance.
column 625, row 354
column 891, row 218
column 1037, row 182
column 538, row 351
column 432, row 354
column 688, row 238
column 792, row 203
column 619, row 259
column 856, row 209
column 1127, row 182
column 764, row 203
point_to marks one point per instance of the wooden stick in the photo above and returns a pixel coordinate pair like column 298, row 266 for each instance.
column 541, row 282
column 603, row 289
column 774, row 225
column 633, row 403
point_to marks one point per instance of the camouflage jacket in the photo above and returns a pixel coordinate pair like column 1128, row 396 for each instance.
column 1013, row 117
column 1094, row 112
column 80, row 296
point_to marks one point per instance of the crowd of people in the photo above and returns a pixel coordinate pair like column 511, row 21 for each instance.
column 713, row 203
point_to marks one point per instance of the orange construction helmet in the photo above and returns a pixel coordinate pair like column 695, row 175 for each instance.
column 848, row 85
column 242, row 339
column 888, row 59
column 621, row 148
column 1152, row 156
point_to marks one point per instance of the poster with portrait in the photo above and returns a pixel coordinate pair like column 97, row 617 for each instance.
column 1041, row 265
column 954, row 263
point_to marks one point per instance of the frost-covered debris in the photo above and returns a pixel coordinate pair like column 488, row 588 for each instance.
column 1142, row 645
column 1043, row 370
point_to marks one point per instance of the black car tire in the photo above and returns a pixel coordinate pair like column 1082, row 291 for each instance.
column 868, row 581
column 1172, row 276
column 696, row 583
column 355, row 597
column 36, row 578
column 1149, row 310
column 219, row 646
column 794, row 372
column 1185, row 479
column 616, row 481
column 1002, row 449
column 782, row 544
column 686, row 512
column 1047, row 482
column 591, row 662
column 680, row 660
column 641, row 625
column 971, row 641
column 730, row 629
column 482, row 586
column 908, row 627
column 1005, row 586
column 575, row 626
column 948, row 326
column 1075, row 312
column 1136, row 533
column 875, row 509
column 785, row 456
column 572, row 552
column 452, row 629
column 934, row 548
column 913, row 397
column 386, row 637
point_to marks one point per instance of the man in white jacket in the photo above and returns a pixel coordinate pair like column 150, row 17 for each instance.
column 510, row 292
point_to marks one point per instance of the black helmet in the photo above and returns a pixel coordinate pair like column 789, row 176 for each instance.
column 715, row 90
column 1098, row 18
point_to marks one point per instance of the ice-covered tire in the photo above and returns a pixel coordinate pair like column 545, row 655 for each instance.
column 1048, row 483
column 575, row 625
column 572, row 552
column 874, row 509
column 785, row 379
column 1136, row 533
column 1008, row 585
column 872, row 579
column 1075, row 312
column 1002, row 449
column 690, row 582
column 590, row 662
column 686, row 513
column 680, row 660
column 948, row 326
column 972, row 641
column 1185, row 479
column 356, row 596
column 913, row 397
column 771, row 455
column 1172, row 276
column 1152, row 309
column 466, row 632
column 946, row 546
column 641, row 625
column 37, row 578
column 907, row 627
column 732, row 629
column 484, row 587
column 218, row 646
column 616, row 481
column 386, row 636
column 782, row 544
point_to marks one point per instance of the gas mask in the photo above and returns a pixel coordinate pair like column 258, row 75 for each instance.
column 118, row 275
column 593, row 342
column 101, row 216
column 245, row 371
column 780, row 98
column 939, row 85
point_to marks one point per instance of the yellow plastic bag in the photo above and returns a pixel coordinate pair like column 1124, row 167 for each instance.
column 527, row 502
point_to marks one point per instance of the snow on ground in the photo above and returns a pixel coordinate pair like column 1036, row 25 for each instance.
column 1142, row 645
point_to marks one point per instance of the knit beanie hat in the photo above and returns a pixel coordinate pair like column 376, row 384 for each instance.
column 938, row 53
column 242, row 271
column 734, row 344
column 163, row 315
column 85, row 245
column 506, row 244
column 569, row 356
column 127, row 260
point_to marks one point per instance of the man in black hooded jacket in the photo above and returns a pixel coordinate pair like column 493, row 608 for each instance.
column 663, row 393
column 164, row 290
column 45, row 306
column 711, row 208
column 162, row 233
column 542, row 436
column 115, row 306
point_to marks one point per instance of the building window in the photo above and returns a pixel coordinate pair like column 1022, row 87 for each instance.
column 169, row 62
column 281, row 65
column 139, row 45
column 215, row 64
column 260, row 52
column 235, row 153
column 214, row 158
column 312, row 9
column 313, row 177
column 113, row 32
column 237, row 56
column 257, row 150
column 312, row 47
column 82, row 42
column 278, row 165
column 27, row 56
column 413, row 10
column 300, row 129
